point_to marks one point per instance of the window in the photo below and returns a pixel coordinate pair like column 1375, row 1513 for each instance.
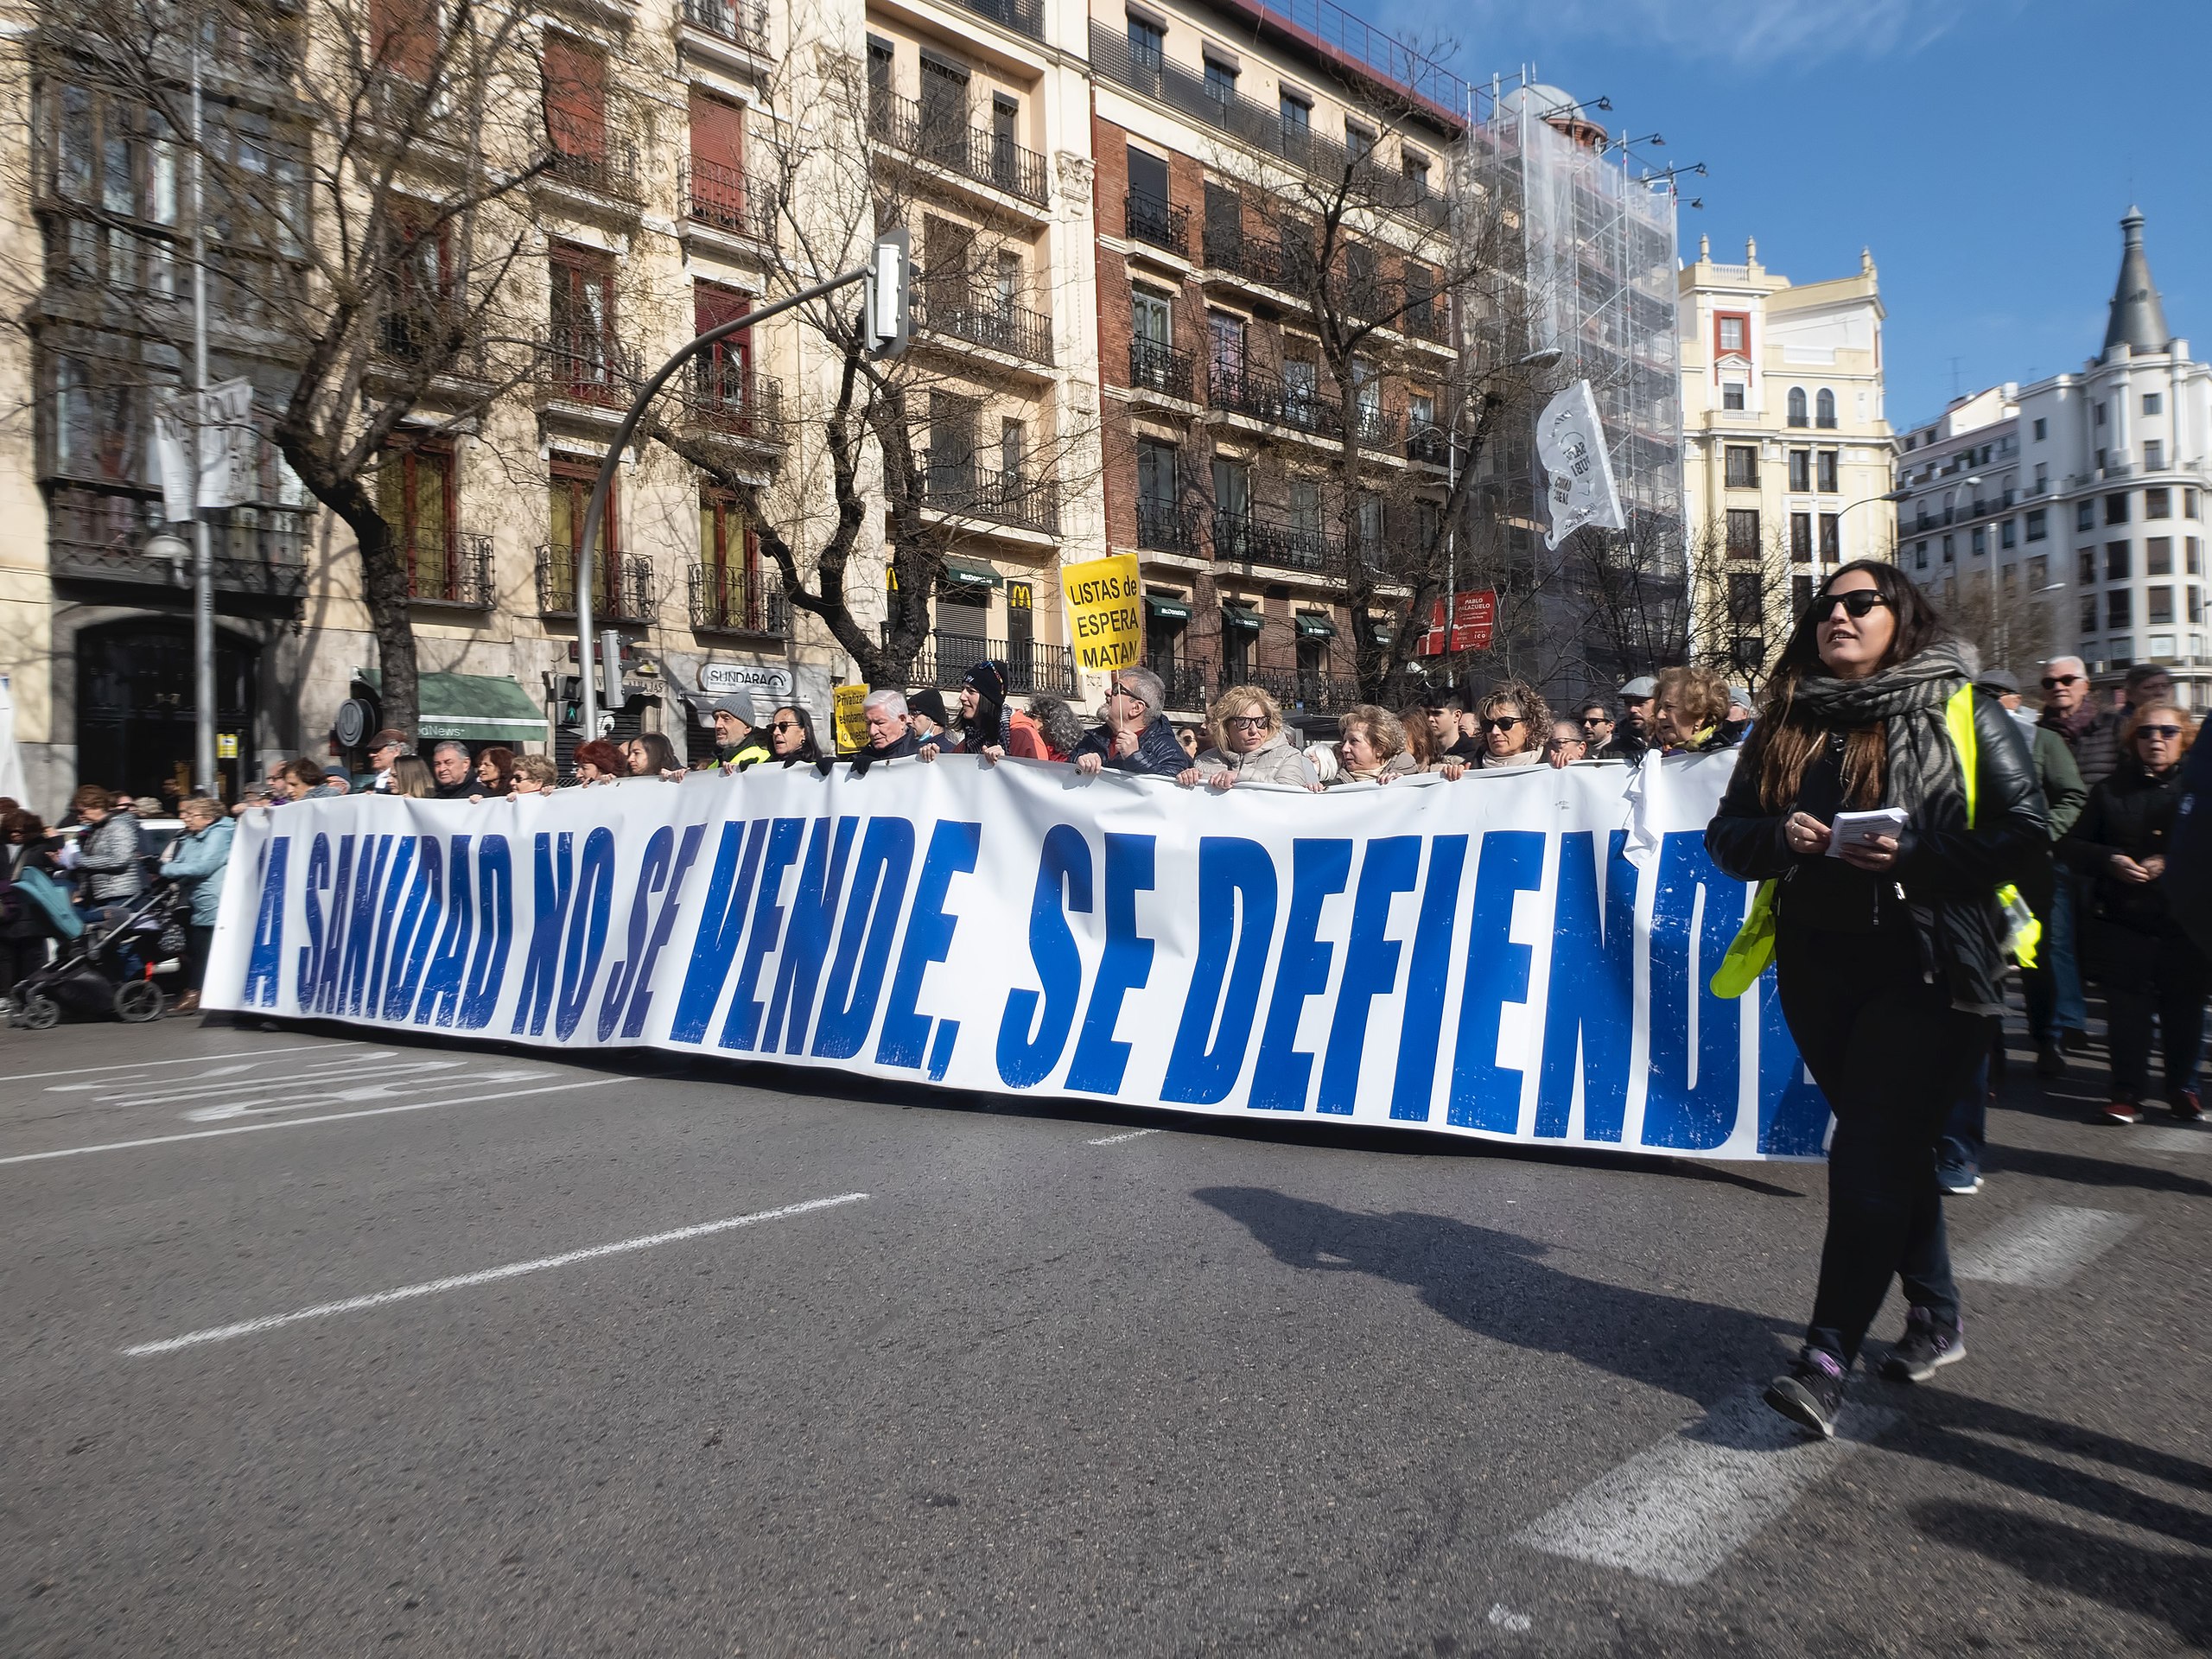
column 2194, row 551
column 1148, row 42
column 1979, row 543
column 1301, row 383
column 1831, row 538
column 1828, row 470
column 952, row 445
column 583, row 345
column 2097, row 414
column 2089, row 612
column 2154, row 456
column 2153, row 404
column 1743, row 532
column 2158, row 556
column 880, row 64
column 2086, row 565
column 1731, row 332
column 1005, row 140
column 2085, row 515
column 569, row 486
column 1741, row 464
column 2195, row 603
column 2043, row 476
column 1221, row 80
column 405, row 33
column 1013, row 454
column 722, row 372
column 944, row 111
column 2158, row 604
column 1413, row 166
column 2188, row 504
column 1950, row 549
column 576, row 98
column 1225, row 342
column 415, row 497
column 1223, row 235
column 1359, row 139
column 1158, row 474
column 1824, row 409
column 1800, row 594
column 1297, row 118
column 2116, row 561
column 2116, row 508
column 1732, row 395
column 2042, row 429
column 2038, row 523
column 1232, row 491
column 2119, row 608
column 1919, row 556
column 2158, row 503
column 2038, row 571
column 1800, row 538
column 1798, row 415
column 2009, row 534
column 1800, row 472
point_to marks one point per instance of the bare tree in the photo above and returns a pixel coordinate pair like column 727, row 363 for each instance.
column 364, row 197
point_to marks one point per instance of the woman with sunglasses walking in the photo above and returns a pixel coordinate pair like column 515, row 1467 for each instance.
column 1889, row 947
column 2133, row 946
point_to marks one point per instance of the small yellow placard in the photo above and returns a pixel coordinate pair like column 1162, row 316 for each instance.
column 226, row 745
column 1105, row 613
column 850, row 717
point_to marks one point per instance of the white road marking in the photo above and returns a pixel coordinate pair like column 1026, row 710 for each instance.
column 1677, row 1511
column 2175, row 1140
column 2044, row 1246
column 463, row 1282
column 298, row 1123
column 371, row 1066
column 1116, row 1139
column 390, row 1086
column 194, row 1059
column 238, row 1069
column 1506, row 1619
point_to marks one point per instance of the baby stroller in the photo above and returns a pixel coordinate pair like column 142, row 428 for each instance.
column 109, row 967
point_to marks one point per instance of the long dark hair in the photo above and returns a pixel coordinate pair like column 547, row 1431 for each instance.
column 1784, row 739
column 809, row 750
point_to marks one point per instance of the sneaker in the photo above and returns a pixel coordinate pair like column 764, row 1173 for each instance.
column 1926, row 1347
column 1958, row 1180
column 2049, row 1061
column 1810, row 1393
column 2122, row 1111
column 2187, row 1105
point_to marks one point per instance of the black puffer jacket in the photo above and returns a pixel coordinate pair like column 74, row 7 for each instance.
column 2130, row 813
column 1949, row 875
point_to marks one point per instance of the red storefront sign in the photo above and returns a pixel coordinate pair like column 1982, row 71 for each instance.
column 1473, row 617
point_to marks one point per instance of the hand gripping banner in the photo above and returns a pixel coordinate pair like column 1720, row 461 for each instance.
column 1523, row 956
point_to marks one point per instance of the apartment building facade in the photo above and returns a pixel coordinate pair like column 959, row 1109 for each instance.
column 1786, row 448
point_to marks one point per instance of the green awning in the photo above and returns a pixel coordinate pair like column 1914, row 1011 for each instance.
column 1311, row 625
column 1385, row 635
column 970, row 573
column 472, row 708
column 1165, row 609
column 1243, row 618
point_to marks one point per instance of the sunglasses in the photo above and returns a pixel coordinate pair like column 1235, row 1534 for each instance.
column 785, row 726
column 1501, row 723
column 1247, row 722
column 1859, row 602
column 1124, row 692
column 2169, row 733
column 1593, row 720
column 2052, row 681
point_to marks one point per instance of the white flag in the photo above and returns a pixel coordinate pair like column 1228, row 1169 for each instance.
column 1571, row 443
column 230, row 448
column 173, row 448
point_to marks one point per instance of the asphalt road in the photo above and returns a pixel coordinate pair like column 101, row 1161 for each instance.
column 1074, row 1384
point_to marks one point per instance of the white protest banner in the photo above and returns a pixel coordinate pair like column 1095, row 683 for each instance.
column 1492, row 957
column 1571, row 443
column 230, row 445
column 173, row 453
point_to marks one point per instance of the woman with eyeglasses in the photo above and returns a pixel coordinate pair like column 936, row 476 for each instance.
column 791, row 736
column 1249, row 745
column 1890, row 952
column 1513, row 723
column 2133, row 944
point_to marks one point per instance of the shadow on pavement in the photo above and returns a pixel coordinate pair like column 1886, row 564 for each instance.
column 1998, row 1158
column 2163, row 1585
column 1491, row 1283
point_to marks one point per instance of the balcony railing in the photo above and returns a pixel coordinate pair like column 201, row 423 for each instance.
column 728, row 599
column 1189, row 684
column 1245, row 389
column 1149, row 218
column 1022, row 17
column 1020, row 499
column 1428, row 446
column 982, row 318
column 99, row 536
column 1031, row 668
column 1279, row 261
column 1165, row 527
column 729, row 199
column 430, row 331
column 1157, row 367
column 744, row 23
column 451, row 569
column 735, row 401
column 1257, row 539
column 947, row 139
column 622, row 585
column 1317, row 692
column 585, row 366
column 607, row 169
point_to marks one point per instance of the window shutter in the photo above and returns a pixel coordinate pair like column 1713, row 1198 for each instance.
column 576, row 98
column 717, row 132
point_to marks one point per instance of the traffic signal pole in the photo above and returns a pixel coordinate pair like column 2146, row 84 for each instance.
column 885, row 320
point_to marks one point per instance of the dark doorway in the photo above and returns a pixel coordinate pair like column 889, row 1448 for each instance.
column 134, row 706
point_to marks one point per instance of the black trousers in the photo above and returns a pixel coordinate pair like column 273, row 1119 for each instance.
column 2145, row 974
column 198, row 942
column 1890, row 1054
column 18, row 958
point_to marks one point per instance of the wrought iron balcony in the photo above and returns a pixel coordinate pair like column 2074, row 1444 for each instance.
column 1244, row 389
column 728, row 599
column 1157, row 367
column 100, row 536
column 1020, row 499
column 1318, row 693
column 1149, row 218
column 949, row 141
column 1279, row 261
column 1257, row 538
column 622, row 585
column 1166, row 527
column 607, row 169
column 454, row 569
column 1031, row 668
column 743, row 23
column 1022, row 17
column 432, row 331
column 730, row 399
column 982, row 317
column 729, row 199
column 585, row 366
column 1428, row 446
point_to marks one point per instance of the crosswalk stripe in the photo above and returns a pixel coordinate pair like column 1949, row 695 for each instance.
column 2043, row 1247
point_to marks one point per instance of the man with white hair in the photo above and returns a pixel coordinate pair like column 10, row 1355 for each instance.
column 889, row 737
column 1136, row 736
column 453, row 770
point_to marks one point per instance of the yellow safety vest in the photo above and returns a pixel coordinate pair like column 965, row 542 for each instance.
column 1752, row 948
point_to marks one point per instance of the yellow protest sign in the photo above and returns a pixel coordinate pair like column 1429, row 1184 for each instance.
column 849, row 717
column 1105, row 615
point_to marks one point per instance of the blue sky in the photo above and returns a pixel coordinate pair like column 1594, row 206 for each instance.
column 1985, row 151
